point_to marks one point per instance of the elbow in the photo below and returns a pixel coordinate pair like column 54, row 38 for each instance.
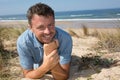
column 30, row 77
column 33, row 76
column 63, row 78
column 66, row 77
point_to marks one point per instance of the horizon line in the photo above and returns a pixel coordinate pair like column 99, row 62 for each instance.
column 59, row 11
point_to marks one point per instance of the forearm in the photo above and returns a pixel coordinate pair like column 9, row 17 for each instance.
column 37, row 73
column 59, row 73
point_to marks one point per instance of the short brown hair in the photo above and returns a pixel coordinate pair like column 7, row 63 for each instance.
column 39, row 9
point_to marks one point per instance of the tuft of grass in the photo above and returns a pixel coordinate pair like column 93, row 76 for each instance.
column 97, row 61
column 72, row 33
column 1, row 62
column 85, row 30
column 8, row 34
column 1, row 45
column 109, row 40
column 90, row 61
column 95, row 33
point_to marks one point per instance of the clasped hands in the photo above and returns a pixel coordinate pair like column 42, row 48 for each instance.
column 51, row 57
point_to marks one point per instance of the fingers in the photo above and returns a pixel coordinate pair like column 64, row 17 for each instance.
column 48, row 48
column 54, row 55
column 51, row 60
column 57, row 43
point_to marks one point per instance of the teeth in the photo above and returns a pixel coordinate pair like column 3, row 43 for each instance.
column 47, row 36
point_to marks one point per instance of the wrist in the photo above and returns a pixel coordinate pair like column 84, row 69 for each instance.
column 44, row 68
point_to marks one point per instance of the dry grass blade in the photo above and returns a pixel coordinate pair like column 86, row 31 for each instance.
column 109, row 40
column 72, row 33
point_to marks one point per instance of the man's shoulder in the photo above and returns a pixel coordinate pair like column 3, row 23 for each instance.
column 62, row 33
column 24, row 37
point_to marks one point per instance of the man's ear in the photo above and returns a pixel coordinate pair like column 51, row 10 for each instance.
column 29, row 26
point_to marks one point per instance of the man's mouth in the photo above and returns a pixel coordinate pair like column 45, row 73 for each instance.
column 47, row 37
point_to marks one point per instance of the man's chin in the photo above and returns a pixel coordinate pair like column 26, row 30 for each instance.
column 45, row 42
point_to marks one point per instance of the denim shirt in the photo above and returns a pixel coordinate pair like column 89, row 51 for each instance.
column 30, row 50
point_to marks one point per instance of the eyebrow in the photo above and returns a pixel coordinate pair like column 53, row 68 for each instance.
column 40, row 26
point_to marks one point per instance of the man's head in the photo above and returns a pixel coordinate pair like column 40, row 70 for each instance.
column 39, row 9
column 41, row 22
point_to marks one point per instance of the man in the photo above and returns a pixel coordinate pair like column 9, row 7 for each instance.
column 41, row 31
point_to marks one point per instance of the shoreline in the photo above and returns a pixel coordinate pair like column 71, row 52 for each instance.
column 100, row 19
column 88, row 19
column 71, row 23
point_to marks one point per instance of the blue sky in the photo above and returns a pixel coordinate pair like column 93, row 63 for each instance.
column 21, row 6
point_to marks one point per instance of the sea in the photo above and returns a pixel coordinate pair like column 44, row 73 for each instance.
column 90, row 18
column 79, row 14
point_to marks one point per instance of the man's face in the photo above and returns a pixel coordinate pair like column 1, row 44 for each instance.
column 43, row 28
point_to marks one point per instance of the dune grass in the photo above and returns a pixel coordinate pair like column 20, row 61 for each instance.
column 109, row 40
column 78, row 32
column 7, row 34
column 73, row 33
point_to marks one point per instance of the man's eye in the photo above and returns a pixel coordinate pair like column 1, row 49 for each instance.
column 51, row 25
column 41, row 28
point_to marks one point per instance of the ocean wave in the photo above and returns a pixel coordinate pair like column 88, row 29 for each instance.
column 118, row 14
column 87, row 14
column 82, row 15
column 103, row 19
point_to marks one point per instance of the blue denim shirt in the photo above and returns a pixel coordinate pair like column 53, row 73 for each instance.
column 30, row 50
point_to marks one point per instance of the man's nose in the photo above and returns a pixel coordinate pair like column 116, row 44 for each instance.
column 46, row 31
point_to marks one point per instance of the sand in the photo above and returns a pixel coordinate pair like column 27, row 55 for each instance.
column 69, row 23
column 82, row 47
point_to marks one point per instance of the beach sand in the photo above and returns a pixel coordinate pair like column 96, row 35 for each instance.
column 69, row 23
column 82, row 51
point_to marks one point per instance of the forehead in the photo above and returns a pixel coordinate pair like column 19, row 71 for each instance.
column 37, row 18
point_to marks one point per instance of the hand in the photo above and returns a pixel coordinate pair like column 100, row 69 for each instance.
column 51, row 60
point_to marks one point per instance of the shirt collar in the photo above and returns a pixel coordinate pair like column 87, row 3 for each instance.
column 36, row 42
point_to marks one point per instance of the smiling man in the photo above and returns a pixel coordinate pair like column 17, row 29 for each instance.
column 30, row 43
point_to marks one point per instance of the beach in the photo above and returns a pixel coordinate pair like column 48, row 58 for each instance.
column 71, row 23
column 83, row 49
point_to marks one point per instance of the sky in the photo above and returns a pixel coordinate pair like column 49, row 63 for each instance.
column 8, row 7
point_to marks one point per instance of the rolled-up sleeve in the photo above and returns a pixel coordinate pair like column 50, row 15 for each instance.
column 65, row 49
